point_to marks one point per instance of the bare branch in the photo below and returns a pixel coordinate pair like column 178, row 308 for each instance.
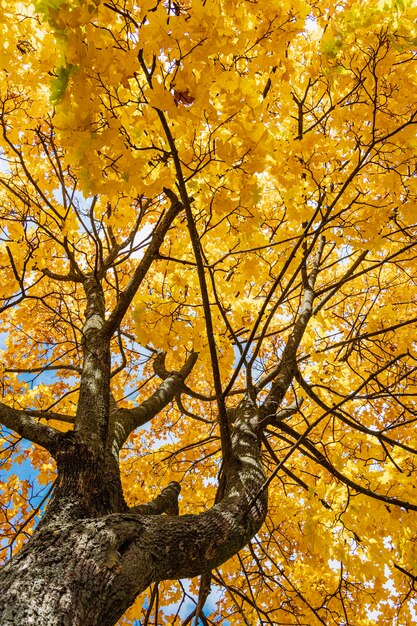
column 139, row 274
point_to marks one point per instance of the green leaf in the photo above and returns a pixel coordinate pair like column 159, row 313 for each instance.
column 60, row 83
column 45, row 7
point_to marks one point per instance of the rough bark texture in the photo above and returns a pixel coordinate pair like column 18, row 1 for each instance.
column 80, row 570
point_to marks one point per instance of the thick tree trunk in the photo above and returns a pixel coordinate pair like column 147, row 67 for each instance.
column 88, row 573
column 90, row 557
column 74, row 576
column 88, row 484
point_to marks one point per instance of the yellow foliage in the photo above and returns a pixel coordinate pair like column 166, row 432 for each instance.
column 280, row 123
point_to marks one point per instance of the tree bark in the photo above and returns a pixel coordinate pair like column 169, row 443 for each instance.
column 90, row 556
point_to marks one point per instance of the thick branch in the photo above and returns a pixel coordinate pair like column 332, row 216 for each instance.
column 94, row 399
column 125, row 421
column 29, row 428
column 50, row 415
column 116, row 556
column 283, row 374
column 189, row 545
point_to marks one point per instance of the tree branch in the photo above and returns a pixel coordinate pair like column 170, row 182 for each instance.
column 196, row 246
column 285, row 370
column 350, row 422
column 71, row 277
column 125, row 421
column 29, row 428
column 190, row 545
column 405, row 572
column 324, row 462
column 166, row 502
column 43, row 368
column 50, row 415
column 139, row 274
column 281, row 415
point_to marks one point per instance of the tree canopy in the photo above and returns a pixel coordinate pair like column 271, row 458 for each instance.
column 228, row 191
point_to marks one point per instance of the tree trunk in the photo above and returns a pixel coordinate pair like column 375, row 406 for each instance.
column 89, row 558
column 73, row 576
column 89, row 572
column 88, row 483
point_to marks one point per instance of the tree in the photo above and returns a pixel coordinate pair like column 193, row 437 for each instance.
column 208, row 284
